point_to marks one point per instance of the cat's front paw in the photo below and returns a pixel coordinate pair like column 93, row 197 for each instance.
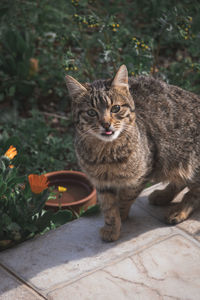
column 176, row 216
column 109, row 234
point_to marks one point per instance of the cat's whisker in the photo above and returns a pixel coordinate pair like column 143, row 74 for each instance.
column 83, row 135
column 128, row 129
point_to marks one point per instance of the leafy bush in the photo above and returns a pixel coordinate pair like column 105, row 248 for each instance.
column 41, row 147
column 22, row 213
column 43, row 40
column 22, row 203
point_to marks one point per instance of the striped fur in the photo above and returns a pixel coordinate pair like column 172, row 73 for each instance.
column 154, row 136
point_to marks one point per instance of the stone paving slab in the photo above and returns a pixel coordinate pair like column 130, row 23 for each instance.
column 159, row 212
column 166, row 270
column 64, row 260
column 11, row 288
column 191, row 225
column 75, row 248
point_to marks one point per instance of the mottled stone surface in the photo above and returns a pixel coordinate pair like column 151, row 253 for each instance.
column 151, row 260
column 76, row 248
column 191, row 225
column 167, row 270
column 158, row 212
column 11, row 288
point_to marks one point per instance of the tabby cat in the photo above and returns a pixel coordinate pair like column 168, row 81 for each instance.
column 132, row 131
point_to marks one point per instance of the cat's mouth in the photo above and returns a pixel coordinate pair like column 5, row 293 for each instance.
column 107, row 133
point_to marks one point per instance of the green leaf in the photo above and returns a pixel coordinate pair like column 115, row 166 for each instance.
column 11, row 91
column 62, row 217
column 31, row 228
column 5, row 220
column 13, row 227
column 3, row 187
column 92, row 210
column 1, row 97
column 2, row 165
column 44, row 221
column 13, row 179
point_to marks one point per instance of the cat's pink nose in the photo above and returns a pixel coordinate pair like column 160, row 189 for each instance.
column 106, row 125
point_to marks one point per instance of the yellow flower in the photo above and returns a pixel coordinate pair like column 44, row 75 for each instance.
column 113, row 25
column 62, row 189
column 114, row 29
column 117, row 25
column 38, row 183
column 34, row 66
column 11, row 152
column 154, row 70
column 138, row 43
column 134, row 39
column 132, row 73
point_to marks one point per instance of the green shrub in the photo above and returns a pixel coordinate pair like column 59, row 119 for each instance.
column 41, row 147
column 22, row 213
column 43, row 40
column 22, row 197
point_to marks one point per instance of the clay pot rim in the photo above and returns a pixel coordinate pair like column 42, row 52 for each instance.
column 81, row 174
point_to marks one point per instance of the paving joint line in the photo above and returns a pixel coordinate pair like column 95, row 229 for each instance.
column 20, row 280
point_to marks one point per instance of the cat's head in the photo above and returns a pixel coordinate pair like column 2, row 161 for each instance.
column 103, row 109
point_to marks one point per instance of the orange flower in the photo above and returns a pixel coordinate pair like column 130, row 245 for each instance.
column 38, row 183
column 11, row 152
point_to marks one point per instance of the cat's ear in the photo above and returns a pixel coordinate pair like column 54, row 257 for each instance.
column 74, row 87
column 121, row 79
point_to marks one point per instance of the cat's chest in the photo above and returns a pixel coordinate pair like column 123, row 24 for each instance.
column 108, row 165
column 107, row 173
column 96, row 154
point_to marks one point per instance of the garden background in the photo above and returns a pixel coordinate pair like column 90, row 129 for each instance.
column 41, row 41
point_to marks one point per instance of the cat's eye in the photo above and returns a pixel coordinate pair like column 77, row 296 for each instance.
column 91, row 112
column 115, row 108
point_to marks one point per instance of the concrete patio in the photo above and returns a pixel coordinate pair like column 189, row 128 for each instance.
column 150, row 261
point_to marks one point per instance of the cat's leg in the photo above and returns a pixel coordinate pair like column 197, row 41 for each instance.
column 181, row 211
column 164, row 197
column 109, row 204
column 126, row 198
